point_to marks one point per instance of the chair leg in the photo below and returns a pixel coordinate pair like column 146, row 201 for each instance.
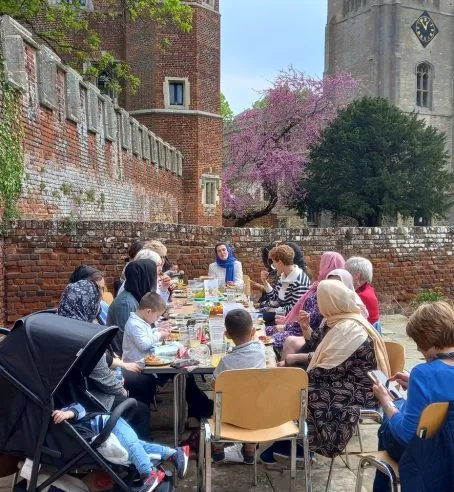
column 201, row 462
column 360, row 439
column 360, row 475
column 347, row 459
column 328, row 484
column 307, row 464
column 155, row 403
column 255, row 466
column 208, row 466
column 293, row 459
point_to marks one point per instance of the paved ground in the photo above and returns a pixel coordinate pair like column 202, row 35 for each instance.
column 239, row 477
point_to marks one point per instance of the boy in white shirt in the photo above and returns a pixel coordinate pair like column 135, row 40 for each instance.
column 139, row 335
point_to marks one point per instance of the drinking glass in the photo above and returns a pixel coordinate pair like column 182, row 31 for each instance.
column 218, row 350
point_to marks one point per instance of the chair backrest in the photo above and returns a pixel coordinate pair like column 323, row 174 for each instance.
column 396, row 356
column 261, row 398
column 432, row 419
column 247, row 285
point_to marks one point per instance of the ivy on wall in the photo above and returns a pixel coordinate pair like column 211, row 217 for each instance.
column 11, row 149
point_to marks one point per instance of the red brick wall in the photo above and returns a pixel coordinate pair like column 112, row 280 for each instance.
column 39, row 255
column 72, row 172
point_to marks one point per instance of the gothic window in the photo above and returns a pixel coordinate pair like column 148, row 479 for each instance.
column 423, row 85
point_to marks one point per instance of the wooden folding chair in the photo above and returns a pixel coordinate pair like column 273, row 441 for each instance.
column 430, row 422
column 396, row 357
column 256, row 406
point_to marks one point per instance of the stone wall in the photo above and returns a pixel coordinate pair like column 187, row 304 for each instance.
column 38, row 256
column 85, row 158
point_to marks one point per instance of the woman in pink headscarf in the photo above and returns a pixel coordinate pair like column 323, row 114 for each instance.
column 292, row 323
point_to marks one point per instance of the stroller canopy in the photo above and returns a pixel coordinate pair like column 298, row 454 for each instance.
column 43, row 349
column 40, row 354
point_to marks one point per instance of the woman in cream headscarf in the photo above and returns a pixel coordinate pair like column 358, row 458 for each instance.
column 338, row 383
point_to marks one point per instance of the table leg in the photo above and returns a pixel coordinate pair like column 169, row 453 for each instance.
column 176, row 411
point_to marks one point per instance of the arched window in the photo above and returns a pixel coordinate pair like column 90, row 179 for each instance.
column 423, row 85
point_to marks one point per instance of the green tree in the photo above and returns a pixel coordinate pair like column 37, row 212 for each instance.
column 226, row 110
column 71, row 30
column 374, row 161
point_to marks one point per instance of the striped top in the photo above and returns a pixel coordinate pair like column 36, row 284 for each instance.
column 287, row 290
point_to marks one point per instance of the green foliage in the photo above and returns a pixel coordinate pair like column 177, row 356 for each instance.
column 431, row 295
column 90, row 195
column 375, row 160
column 67, row 28
column 66, row 189
column 226, row 110
column 11, row 150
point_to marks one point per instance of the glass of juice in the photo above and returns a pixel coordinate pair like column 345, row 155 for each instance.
column 218, row 350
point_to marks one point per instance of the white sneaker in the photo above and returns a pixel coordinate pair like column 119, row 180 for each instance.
column 233, row 453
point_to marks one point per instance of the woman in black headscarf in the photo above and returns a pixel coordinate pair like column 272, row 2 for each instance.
column 141, row 278
column 81, row 301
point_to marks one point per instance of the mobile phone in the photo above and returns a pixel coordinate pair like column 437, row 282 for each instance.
column 184, row 363
column 377, row 376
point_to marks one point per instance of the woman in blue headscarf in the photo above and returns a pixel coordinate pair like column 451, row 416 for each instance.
column 226, row 268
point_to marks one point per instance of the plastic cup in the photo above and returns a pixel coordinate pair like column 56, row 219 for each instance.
column 217, row 329
column 218, row 350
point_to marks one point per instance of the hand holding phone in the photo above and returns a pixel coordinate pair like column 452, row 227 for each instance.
column 377, row 376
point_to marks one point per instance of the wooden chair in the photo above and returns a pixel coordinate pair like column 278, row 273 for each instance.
column 256, row 406
column 430, row 422
column 247, row 285
column 396, row 357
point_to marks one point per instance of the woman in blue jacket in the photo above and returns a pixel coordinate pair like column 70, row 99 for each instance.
column 432, row 329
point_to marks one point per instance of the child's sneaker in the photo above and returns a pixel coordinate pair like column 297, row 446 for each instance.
column 152, row 481
column 233, row 453
column 180, row 460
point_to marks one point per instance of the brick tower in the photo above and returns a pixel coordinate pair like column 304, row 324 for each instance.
column 179, row 98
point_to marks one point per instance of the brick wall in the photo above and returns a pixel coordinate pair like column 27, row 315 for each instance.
column 39, row 255
column 83, row 157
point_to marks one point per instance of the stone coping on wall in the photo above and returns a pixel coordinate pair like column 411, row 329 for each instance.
column 133, row 135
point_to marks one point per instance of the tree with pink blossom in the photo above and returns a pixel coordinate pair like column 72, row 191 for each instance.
column 267, row 149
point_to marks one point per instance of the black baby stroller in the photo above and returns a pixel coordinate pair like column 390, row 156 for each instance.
column 44, row 362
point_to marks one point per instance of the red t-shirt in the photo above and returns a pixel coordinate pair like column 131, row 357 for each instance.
column 367, row 294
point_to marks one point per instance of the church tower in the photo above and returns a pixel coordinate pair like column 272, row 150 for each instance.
column 400, row 50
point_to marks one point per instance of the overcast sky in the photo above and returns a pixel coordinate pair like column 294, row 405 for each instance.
column 261, row 37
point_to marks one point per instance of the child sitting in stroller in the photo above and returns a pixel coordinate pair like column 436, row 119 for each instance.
column 138, row 451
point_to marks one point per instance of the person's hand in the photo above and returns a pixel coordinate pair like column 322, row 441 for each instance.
column 401, row 378
column 381, row 393
column 165, row 282
column 281, row 363
column 304, row 319
column 264, row 275
column 165, row 326
column 132, row 366
column 60, row 415
column 165, row 335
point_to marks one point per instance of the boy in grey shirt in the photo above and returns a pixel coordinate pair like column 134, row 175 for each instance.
column 247, row 354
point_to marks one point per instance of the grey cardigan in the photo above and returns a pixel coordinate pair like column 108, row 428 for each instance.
column 103, row 384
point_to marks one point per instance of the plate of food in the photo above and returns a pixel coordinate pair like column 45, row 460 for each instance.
column 266, row 339
column 154, row 360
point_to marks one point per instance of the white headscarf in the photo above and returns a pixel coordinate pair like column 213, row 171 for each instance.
column 347, row 280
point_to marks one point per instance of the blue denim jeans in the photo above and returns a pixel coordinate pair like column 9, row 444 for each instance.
column 139, row 450
column 395, row 448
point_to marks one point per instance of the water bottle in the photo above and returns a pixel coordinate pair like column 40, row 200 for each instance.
column 119, row 374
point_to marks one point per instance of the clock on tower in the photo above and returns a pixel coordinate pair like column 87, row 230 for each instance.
column 424, row 28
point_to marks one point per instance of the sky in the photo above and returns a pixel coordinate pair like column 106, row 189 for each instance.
column 261, row 37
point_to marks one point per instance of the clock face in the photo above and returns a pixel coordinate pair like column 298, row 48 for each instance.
column 425, row 29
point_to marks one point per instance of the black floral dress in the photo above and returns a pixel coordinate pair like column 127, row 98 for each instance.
column 335, row 398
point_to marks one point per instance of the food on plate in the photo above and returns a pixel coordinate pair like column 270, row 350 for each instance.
column 153, row 360
column 200, row 294
column 217, row 309
column 174, row 335
column 265, row 339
